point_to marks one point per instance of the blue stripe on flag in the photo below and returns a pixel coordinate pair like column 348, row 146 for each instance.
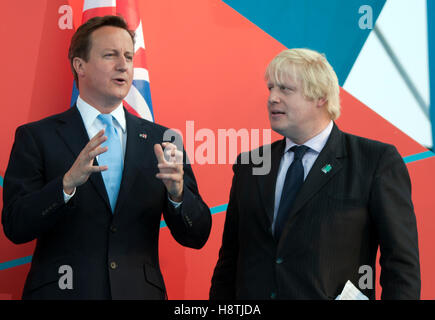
column 74, row 94
column 143, row 87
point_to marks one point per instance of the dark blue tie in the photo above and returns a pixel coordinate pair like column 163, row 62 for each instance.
column 293, row 182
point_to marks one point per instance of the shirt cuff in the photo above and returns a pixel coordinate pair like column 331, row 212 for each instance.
column 67, row 197
column 175, row 204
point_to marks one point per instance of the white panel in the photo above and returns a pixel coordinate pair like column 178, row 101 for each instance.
column 138, row 103
column 91, row 4
column 138, row 38
column 375, row 81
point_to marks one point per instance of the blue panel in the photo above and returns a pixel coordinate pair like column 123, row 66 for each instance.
column 74, row 94
column 213, row 210
column 431, row 58
column 418, row 156
column 219, row 209
column 330, row 27
column 15, row 263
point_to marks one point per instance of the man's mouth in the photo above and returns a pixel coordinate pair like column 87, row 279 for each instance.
column 120, row 81
column 276, row 112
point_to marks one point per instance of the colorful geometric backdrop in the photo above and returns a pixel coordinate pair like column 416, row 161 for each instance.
column 206, row 61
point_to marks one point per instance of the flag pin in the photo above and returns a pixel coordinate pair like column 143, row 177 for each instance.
column 143, row 135
column 326, row 168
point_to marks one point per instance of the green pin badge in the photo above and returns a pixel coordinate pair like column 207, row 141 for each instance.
column 326, row 168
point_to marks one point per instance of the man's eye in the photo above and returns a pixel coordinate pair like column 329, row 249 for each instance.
column 286, row 89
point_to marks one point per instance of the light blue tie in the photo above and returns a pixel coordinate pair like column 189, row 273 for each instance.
column 113, row 158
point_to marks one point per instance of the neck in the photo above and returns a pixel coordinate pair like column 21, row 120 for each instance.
column 105, row 108
column 305, row 136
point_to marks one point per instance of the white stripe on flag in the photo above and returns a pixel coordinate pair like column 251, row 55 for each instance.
column 92, row 4
column 137, row 101
column 139, row 41
column 141, row 74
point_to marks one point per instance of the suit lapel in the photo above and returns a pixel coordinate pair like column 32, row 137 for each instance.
column 139, row 150
column 332, row 155
column 266, row 183
column 73, row 132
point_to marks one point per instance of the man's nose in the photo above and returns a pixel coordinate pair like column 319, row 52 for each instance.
column 273, row 97
column 122, row 64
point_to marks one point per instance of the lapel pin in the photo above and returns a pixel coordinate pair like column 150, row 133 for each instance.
column 326, row 168
column 143, row 135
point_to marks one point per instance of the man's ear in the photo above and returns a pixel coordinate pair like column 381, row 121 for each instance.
column 321, row 102
column 78, row 64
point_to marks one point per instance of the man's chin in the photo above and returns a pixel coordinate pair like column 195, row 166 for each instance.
column 120, row 95
column 278, row 129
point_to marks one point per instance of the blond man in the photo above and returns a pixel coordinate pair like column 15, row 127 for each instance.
column 330, row 200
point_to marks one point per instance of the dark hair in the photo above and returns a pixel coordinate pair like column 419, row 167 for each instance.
column 80, row 43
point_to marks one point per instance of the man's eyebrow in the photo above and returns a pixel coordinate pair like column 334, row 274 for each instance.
column 116, row 50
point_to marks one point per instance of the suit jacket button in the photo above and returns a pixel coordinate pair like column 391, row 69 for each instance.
column 273, row 295
column 113, row 265
column 113, row 229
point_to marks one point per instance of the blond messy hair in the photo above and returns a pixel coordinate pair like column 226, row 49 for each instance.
column 313, row 70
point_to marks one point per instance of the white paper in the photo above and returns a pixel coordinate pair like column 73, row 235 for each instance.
column 350, row 292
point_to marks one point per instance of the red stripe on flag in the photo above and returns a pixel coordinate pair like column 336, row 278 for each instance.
column 139, row 59
column 98, row 12
column 130, row 11
column 130, row 109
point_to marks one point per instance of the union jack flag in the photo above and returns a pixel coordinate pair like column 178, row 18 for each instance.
column 138, row 100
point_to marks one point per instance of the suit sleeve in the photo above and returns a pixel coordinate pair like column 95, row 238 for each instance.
column 223, row 283
column 393, row 214
column 30, row 202
column 190, row 224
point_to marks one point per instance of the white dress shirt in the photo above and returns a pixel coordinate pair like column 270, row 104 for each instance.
column 316, row 145
column 93, row 125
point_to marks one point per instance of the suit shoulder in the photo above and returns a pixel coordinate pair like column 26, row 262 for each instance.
column 159, row 131
column 371, row 150
column 251, row 157
column 149, row 124
column 44, row 122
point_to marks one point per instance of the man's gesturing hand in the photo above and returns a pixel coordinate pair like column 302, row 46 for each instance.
column 170, row 164
column 83, row 167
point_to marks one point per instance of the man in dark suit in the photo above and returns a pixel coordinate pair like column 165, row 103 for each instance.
column 316, row 220
column 87, row 185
